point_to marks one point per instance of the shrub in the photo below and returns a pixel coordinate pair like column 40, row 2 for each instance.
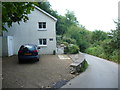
column 91, row 50
column 65, row 43
column 69, row 40
column 105, row 53
column 115, row 56
column 58, row 38
column 70, row 48
column 66, row 50
column 96, row 50
column 73, row 49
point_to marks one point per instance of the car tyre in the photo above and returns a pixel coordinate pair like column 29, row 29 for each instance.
column 37, row 59
column 19, row 60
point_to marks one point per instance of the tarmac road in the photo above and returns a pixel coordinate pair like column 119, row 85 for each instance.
column 100, row 74
column 0, row 73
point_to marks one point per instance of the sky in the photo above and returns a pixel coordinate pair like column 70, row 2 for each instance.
column 93, row 14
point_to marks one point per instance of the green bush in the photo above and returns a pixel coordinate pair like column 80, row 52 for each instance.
column 69, row 40
column 65, row 43
column 115, row 56
column 96, row 50
column 66, row 50
column 91, row 50
column 104, row 53
column 58, row 39
column 73, row 49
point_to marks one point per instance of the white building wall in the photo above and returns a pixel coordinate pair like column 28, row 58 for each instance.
column 27, row 33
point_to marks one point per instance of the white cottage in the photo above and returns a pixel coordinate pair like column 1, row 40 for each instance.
column 40, row 29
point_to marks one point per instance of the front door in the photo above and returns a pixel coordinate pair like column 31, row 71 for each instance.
column 10, row 45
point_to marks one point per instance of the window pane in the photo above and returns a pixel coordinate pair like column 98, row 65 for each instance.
column 40, row 24
column 44, row 42
column 30, row 47
column 44, row 24
column 40, row 41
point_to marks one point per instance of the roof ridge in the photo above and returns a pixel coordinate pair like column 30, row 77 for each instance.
column 55, row 19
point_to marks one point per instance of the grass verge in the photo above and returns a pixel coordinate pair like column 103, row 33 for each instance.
column 84, row 66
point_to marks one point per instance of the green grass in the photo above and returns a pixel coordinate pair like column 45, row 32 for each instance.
column 84, row 66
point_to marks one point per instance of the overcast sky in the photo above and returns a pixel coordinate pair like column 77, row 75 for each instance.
column 93, row 14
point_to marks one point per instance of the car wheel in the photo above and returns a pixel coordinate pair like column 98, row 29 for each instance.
column 19, row 60
column 37, row 59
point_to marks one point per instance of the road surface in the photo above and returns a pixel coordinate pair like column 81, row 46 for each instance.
column 100, row 74
column 0, row 73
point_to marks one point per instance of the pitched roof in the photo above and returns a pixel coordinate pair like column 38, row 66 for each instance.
column 45, row 13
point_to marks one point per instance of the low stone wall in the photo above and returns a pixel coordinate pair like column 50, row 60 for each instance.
column 77, row 57
column 78, row 62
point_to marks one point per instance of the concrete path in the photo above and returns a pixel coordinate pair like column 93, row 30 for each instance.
column 100, row 74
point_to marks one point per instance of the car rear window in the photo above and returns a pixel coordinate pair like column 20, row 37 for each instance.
column 27, row 47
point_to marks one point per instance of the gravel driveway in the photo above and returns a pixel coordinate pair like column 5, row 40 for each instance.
column 49, row 70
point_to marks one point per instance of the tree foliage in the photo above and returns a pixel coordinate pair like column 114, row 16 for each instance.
column 99, row 35
column 106, row 45
column 70, row 18
column 15, row 12
column 64, row 22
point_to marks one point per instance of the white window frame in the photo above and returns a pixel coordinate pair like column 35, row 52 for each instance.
column 42, row 42
column 40, row 29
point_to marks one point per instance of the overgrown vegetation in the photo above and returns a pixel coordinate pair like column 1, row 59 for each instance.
column 83, row 66
column 70, row 32
column 71, row 49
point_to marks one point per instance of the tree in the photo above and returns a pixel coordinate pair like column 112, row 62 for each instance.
column 81, row 35
column 61, row 27
column 99, row 35
column 115, row 36
column 64, row 22
column 112, row 45
column 15, row 12
column 70, row 18
column 47, row 7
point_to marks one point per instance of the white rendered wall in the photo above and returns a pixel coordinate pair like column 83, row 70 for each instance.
column 27, row 33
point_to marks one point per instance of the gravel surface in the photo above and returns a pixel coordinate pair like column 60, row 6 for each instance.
column 45, row 73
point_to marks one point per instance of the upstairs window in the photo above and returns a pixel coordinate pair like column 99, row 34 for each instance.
column 42, row 25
